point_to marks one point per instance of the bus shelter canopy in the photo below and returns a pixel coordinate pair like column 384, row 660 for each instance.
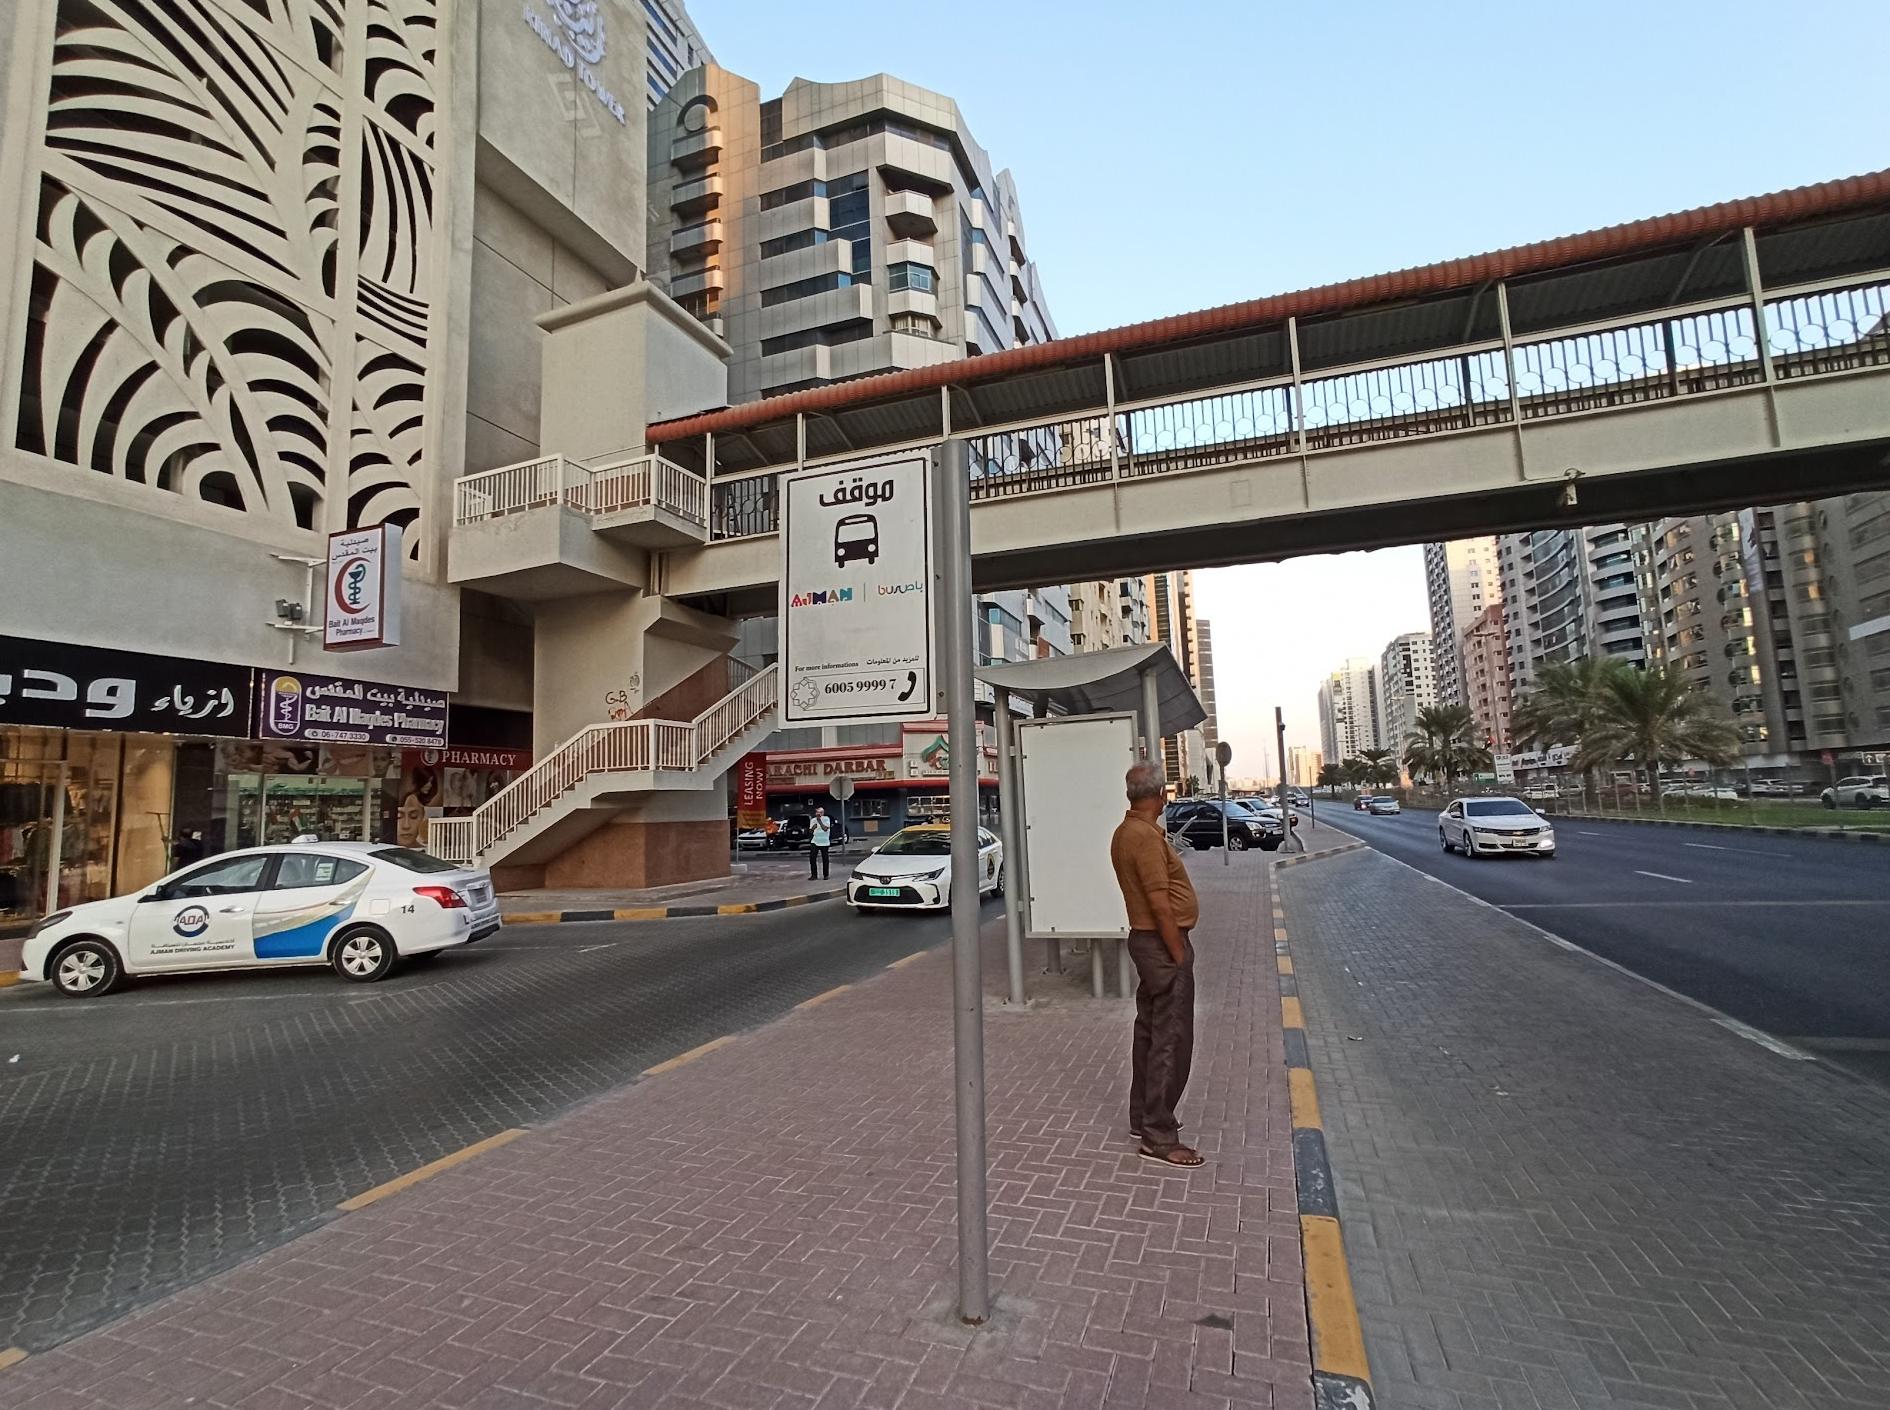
column 1098, row 682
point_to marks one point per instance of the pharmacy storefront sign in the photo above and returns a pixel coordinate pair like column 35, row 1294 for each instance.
column 574, row 31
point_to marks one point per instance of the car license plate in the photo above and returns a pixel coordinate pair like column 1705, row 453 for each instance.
column 882, row 890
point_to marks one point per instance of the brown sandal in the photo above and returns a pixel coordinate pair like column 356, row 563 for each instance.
column 1174, row 1155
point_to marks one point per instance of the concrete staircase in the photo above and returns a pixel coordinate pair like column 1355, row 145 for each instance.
column 604, row 768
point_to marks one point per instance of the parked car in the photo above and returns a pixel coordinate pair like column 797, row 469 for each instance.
column 1715, row 794
column 791, row 832
column 1383, row 807
column 358, row 906
column 1541, row 792
column 1858, row 791
column 1776, row 788
column 912, row 870
column 1489, row 827
column 753, row 839
column 1196, row 823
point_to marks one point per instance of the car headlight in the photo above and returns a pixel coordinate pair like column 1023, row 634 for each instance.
column 56, row 918
column 929, row 875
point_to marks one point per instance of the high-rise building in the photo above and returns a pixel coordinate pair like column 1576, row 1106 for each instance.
column 1109, row 612
column 1204, row 682
column 1571, row 593
column 1461, row 579
column 1303, row 765
column 675, row 47
column 1348, row 711
column 1172, row 617
column 1487, row 693
column 839, row 230
column 1407, row 683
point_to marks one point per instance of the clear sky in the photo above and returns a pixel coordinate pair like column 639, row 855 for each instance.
column 1174, row 156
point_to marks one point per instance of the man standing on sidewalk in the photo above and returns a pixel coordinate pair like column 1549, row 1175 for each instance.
column 819, row 843
column 1162, row 910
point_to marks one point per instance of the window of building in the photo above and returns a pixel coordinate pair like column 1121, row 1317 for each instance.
column 909, row 275
column 806, row 288
column 829, row 335
column 799, row 240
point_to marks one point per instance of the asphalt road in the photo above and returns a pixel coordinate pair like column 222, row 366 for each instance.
column 181, row 1125
column 1788, row 935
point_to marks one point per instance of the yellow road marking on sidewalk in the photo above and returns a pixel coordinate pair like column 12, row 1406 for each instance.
column 1299, row 1087
column 9, row 978
column 531, row 918
column 641, row 913
column 736, row 908
column 1290, row 1014
column 1279, row 932
column 901, row 964
column 1338, row 1344
column 11, row 1356
column 432, row 1168
column 820, row 999
column 681, row 1058
column 1286, row 964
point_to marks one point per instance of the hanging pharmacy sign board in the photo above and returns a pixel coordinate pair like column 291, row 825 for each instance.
column 858, row 628
column 363, row 595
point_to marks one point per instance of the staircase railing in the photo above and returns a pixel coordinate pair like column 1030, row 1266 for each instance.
column 621, row 746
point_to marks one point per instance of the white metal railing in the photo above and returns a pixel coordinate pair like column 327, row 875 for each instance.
column 621, row 746
column 1703, row 347
column 644, row 481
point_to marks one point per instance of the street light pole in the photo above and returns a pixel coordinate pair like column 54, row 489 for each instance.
column 953, row 499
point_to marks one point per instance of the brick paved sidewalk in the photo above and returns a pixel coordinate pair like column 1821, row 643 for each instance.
column 772, row 1225
column 1562, row 1188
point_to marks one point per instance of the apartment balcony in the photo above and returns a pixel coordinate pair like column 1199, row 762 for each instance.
column 696, row 197
column 791, row 219
column 702, row 238
column 697, row 148
column 551, row 527
column 699, row 281
column 922, row 302
column 910, row 216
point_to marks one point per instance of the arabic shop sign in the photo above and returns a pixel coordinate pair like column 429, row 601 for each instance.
column 575, row 33
column 363, row 596
column 858, row 640
column 324, row 710
column 90, row 687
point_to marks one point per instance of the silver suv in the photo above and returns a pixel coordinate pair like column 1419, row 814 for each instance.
column 1858, row 791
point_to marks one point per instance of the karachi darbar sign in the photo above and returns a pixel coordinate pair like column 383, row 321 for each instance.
column 575, row 33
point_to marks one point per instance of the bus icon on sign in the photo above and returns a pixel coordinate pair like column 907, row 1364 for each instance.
column 855, row 536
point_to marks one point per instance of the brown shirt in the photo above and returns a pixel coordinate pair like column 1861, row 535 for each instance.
column 1146, row 863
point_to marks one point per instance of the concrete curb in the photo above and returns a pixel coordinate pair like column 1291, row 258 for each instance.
column 1342, row 1377
column 732, row 908
column 1745, row 828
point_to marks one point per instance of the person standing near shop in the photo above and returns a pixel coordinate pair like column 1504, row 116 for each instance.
column 819, row 845
column 1162, row 910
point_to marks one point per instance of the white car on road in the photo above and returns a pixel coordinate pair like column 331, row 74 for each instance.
column 1860, row 791
column 912, row 870
column 357, row 906
column 1492, row 827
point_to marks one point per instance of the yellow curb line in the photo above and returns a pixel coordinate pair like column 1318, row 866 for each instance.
column 531, row 918
column 1286, row 964
column 1304, row 1099
column 681, row 1058
column 641, row 913
column 798, row 900
column 1338, row 1343
column 1291, row 1015
column 1279, row 932
column 11, row 1356
column 820, row 999
column 736, row 908
column 901, row 964
column 432, row 1168
column 8, row 979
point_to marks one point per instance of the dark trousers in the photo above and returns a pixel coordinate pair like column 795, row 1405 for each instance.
column 817, row 862
column 1164, row 1037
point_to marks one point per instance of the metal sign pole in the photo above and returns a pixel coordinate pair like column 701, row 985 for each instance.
column 1010, row 820
column 954, row 575
column 1286, row 812
column 1223, row 756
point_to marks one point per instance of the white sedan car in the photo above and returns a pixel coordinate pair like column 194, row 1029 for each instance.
column 1492, row 827
column 357, row 906
column 912, row 870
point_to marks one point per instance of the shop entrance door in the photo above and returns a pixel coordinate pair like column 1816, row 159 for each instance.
column 269, row 809
column 28, row 795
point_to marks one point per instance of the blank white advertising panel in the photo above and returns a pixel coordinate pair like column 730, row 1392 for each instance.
column 1072, row 772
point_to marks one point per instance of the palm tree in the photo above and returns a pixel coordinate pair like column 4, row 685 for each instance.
column 1566, row 701
column 1331, row 775
column 1445, row 744
column 1380, row 767
column 1655, row 716
column 1355, row 771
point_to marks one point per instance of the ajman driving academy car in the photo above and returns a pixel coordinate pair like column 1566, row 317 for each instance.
column 357, row 906
column 912, row 870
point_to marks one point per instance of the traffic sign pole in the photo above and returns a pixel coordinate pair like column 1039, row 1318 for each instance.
column 1223, row 756
column 952, row 496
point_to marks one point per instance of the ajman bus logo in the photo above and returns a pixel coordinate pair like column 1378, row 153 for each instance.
column 351, row 586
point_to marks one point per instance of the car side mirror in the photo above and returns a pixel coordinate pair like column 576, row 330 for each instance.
column 156, row 893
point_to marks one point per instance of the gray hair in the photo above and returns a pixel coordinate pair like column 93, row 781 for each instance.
column 1145, row 781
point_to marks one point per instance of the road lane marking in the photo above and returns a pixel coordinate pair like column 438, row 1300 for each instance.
column 1591, row 834
column 430, row 1169
column 1748, row 851
column 1662, row 876
column 681, row 1058
column 1844, row 1045
column 1690, row 905
column 1764, row 1040
column 820, row 999
column 909, row 959
column 586, row 949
